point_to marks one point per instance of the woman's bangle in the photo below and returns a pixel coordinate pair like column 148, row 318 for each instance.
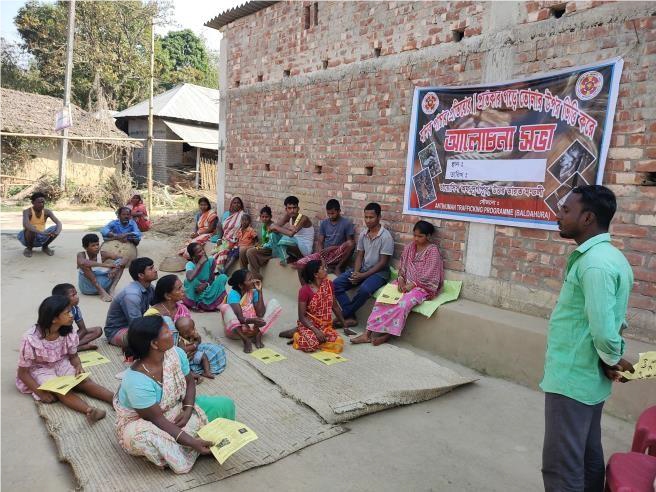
column 190, row 406
column 179, row 433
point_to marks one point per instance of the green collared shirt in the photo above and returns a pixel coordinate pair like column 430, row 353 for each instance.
column 586, row 323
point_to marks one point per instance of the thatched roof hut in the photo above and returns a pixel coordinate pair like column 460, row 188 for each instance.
column 89, row 161
column 23, row 112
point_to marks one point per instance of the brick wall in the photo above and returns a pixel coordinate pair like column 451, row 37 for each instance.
column 339, row 129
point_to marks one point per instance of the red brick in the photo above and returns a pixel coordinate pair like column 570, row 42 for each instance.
column 628, row 230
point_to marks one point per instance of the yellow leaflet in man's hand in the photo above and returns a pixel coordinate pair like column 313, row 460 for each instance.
column 644, row 368
column 328, row 358
column 390, row 295
column 228, row 436
column 63, row 384
column 267, row 355
column 92, row 358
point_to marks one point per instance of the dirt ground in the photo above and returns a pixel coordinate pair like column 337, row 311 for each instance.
column 485, row 436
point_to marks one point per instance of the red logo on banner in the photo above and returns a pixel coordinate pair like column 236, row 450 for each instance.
column 430, row 103
column 589, row 85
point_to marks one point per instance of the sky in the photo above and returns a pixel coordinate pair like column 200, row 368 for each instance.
column 191, row 14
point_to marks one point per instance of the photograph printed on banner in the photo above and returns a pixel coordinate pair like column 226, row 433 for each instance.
column 575, row 159
column 424, row 188
column 558, row 197
column 429, row 160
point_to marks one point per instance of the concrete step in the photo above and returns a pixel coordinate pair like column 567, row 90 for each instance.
column 490, row 340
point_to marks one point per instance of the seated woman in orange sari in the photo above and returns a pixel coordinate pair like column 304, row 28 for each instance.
column 206, row 225
column 316, row 305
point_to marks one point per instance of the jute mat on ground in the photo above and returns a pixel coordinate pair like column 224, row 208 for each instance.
column 283, row 426
column 370, row 380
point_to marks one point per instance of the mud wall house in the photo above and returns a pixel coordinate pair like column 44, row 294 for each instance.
column 89, row 162
column 316, row 100
column 186, row 112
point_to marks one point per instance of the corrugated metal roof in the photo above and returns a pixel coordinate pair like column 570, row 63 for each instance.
column 196, row 136
column 231, row 15
column 186, row 101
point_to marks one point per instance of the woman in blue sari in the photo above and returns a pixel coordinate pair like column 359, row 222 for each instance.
column 204, row 290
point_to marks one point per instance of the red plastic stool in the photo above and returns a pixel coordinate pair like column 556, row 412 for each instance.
column 630, row 472
column 644, row 437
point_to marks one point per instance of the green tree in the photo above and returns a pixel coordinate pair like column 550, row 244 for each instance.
column 18, row 72
column 181, row 56
column 111, row 52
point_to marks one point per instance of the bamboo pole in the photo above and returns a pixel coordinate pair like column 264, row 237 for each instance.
column 63, row 156
column 149, row 143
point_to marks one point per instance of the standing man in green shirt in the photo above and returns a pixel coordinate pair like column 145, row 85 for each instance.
column 584, row 343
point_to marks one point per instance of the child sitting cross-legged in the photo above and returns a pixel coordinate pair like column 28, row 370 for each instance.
column 206, row 359
column 85, row 335
column 49, row 350
column 246, row 238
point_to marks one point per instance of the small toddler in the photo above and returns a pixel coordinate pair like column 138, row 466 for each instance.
column 206, row 359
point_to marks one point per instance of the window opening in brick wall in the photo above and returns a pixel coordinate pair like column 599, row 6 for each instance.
column 316, row 13
column 260, row 78
column 286, row 73
column 306, row 17
column 231, row 166
column 558, row 11
column 267, row 167
column 317, row 169
column 325, row 64
column 236, row 83
column 369, row 170
column 458, row 34
column 377, row 52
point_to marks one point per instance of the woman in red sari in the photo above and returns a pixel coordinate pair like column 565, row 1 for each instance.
column 316, row 305
column 139, row 213
column 421, row 274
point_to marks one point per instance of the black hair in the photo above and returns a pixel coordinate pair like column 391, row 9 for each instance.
column 237, row 278
column 203, row 199
column 241, row 203
column 37, row 194
column 373, row 206
column 191, row 247
column 164, row 286
column 310, row 270
column 246, row 216
column 88, row 239
column 424, row 227
column 266, row 210
column 332, row 204
column 120, row 209
column 141, row 332
column 291, row 200
column 600, row 201
column 138, row 266
column 137, row 195
column 62, row 289
column 50, row 308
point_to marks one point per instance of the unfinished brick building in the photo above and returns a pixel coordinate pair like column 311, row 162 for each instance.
column 316, row 101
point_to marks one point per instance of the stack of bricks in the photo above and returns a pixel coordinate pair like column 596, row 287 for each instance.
column 340, row 129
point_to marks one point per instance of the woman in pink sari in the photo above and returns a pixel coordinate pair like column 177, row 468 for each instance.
column 206, row 225
column 421, row 274
column 139, row 213
column 231, row 223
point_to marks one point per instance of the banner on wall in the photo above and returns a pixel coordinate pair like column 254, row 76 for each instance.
column 510, row 153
